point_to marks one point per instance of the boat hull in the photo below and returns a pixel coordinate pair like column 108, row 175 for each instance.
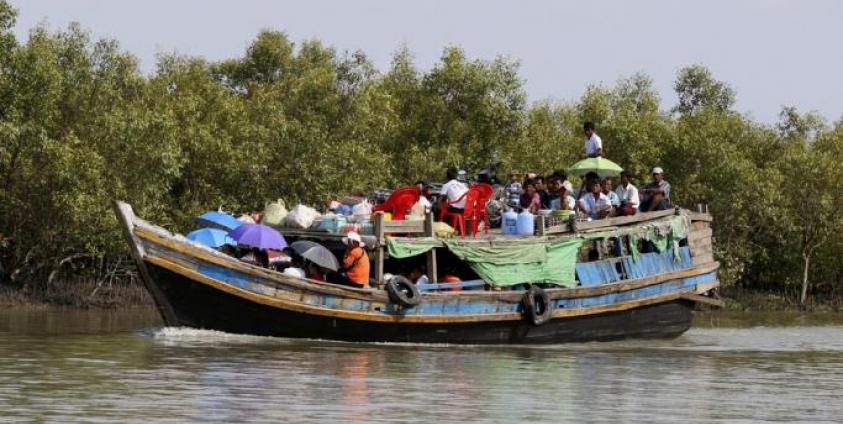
column 198, row 305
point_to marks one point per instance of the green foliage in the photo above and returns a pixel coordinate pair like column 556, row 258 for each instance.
column 80, row 125
column 697, row 89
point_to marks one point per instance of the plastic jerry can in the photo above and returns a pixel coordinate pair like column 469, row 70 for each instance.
column 525, row 224
column 509, row 223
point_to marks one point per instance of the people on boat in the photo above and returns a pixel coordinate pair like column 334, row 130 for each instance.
column 530, row 199
column 655, row 196
column 593, row 142
column 514, row 186
column 564, row 200
column 418, row 276
column 614, row 200
column 462, row 176
column 544, row 193
column 454, row 190
column 356, row 261
column 590, row 179
column 424, row 194
column 257, row 257
column 314, row 272
column 295, row 272
column 485, row 177
column 553, row 184
column 229, row 249
column 596, row 204
column 628, row 195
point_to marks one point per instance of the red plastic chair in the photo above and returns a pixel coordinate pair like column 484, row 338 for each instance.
column 399, row 202
column 474, row 202
column 486, row 193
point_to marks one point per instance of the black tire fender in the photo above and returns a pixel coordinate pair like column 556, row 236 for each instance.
column 402, row 291
column 537, row 307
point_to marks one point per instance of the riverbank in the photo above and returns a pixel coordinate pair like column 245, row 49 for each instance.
column 86, row 293
column 746, row 300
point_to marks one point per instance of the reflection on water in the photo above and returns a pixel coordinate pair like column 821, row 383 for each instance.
column 69, row 365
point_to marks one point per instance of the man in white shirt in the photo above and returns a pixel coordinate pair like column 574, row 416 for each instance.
column 595, row 204
column 593, row 142
column 454, row 190
column 628, row 195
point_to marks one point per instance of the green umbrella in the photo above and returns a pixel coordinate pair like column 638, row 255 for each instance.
column 602, row 166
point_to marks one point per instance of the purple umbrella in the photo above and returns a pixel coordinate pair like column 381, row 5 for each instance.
column 258, row 235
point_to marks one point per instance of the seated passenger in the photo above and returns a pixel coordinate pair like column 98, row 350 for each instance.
column 315, row 272
column 514, row 185
column 229, row 249
column 656, row 195
column 615, row 201
column 424, row 194
column 590, row 178
column 295, row 272
column 565, row 200
column 356, row 261
column 628, row 195
column 257, row 257
column 596, row 205
column 553, row 186
column 530, row 199
column 417, row 276
column 544, row 193
column 454, row 190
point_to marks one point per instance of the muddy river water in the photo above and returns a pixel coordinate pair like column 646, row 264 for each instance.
column 74, row 365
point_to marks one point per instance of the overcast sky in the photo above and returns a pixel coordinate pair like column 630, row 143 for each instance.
column 773, row 52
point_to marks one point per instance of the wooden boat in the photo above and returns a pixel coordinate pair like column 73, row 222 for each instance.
column 615, row 298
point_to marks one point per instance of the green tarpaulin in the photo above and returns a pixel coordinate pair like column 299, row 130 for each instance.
column 663, row 236
column 536, row 259
column 505, row 263
column 410, row 247
column 522, row 263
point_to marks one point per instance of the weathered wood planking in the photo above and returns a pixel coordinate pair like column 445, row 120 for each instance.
column 288, row 283
column 698, row 216
column 703, row 233
column 126, row 216
column 624, row 220
column 380, row 316
column 403, row 227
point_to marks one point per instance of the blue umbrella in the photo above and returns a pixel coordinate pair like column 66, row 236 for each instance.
column 258, row 235
column 220, row 220
column 213, row 237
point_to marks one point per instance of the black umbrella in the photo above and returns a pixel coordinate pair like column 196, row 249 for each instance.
column 316, row 253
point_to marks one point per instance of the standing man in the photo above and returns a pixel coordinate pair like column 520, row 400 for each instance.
column 593, row 142
column 455, row 191
column 656, row 194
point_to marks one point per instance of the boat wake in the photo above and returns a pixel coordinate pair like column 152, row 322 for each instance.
column 752, row 339
column 187, row 335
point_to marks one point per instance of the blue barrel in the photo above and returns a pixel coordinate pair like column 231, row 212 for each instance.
column 525, row 223
column 509, row 223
